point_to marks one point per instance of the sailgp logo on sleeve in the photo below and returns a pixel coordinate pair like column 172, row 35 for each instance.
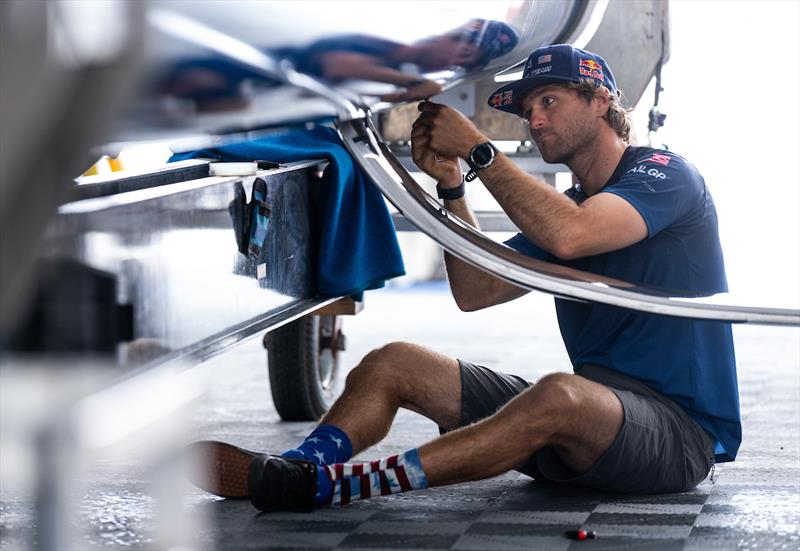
column 643, row 169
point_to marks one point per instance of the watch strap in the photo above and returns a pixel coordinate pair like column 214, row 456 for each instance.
column 450, row 194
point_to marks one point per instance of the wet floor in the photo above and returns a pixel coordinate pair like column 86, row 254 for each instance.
column 753, row 503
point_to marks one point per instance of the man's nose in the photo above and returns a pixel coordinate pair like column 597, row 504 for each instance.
column 537, row 120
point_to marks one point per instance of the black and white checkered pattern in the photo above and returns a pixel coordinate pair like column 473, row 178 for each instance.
column 754, row 504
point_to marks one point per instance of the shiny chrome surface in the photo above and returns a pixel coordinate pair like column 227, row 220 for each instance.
column 464, row 241
column 216, row 65
column 173, row 250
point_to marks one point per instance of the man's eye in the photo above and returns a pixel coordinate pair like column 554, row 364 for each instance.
column 547, row 100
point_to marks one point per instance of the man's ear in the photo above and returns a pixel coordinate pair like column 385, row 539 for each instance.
column 601, row 101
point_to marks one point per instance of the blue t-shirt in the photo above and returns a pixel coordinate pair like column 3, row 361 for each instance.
column 692, row 362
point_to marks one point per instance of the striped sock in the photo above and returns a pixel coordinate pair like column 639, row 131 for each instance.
column 354, row 481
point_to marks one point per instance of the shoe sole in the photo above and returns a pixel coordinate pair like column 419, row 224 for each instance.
column 221, row 468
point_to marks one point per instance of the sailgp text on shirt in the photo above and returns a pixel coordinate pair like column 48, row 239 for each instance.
column 642, row 169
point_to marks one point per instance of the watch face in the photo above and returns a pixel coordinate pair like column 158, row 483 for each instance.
column 482, row 155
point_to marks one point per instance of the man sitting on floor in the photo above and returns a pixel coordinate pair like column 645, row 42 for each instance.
column 652, row 402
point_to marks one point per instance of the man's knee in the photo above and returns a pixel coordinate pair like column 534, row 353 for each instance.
column 557, row 398
column 562, row 389
column 575, row 409
column 384, row 364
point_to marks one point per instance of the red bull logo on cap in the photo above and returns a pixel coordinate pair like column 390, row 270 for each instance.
column 592, row 69
column 591, row 64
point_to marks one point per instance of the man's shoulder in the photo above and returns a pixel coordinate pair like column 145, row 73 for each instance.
column 654, row 156
column 642, row 164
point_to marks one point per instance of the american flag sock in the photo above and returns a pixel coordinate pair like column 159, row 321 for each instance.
column 325, row 445
column 353, row 481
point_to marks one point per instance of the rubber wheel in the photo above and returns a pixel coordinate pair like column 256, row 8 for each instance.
column 303, row 361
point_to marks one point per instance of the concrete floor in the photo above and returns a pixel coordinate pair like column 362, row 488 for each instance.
column 754, row 503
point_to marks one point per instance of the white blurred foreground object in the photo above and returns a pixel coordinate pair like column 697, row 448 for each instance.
column 62, row 419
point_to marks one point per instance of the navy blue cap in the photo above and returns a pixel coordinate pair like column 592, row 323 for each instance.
column 550, row 65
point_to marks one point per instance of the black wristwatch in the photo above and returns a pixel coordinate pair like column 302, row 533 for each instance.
column 481, row 156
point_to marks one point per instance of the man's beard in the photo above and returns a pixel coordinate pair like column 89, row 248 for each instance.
column 564, row 146
column 557, row 152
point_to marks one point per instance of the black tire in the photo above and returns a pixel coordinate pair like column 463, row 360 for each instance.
column 303, row 362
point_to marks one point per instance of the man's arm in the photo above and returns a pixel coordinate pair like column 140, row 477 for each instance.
column 602, row 223
column 472, row 287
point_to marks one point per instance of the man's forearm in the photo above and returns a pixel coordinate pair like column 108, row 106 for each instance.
column 544, row 215
column 460, row 274
column 472, row 287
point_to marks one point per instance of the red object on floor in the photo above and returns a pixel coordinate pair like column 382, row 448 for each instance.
column 581, row 534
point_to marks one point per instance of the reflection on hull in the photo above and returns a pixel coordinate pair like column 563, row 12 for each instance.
column 174, row 252
column 215, row 66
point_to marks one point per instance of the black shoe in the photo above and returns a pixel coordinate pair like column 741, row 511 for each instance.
column 282, row 484
column 272, row 482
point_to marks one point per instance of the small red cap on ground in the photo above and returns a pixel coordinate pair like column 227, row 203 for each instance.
column 581, row 534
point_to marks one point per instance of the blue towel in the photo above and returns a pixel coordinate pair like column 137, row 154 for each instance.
column 358, row 245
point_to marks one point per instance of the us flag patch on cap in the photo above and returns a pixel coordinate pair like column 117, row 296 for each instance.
column 544, row 59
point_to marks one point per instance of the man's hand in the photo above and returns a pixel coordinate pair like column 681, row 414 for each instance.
column 445, row 170
column 439, row 137
column 449, row 133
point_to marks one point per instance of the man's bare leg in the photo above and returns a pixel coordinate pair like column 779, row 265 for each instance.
column 578, row 417
column 394, row 376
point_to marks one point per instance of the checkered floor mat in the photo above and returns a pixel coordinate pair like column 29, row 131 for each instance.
column 754, row 504
column 509, row 512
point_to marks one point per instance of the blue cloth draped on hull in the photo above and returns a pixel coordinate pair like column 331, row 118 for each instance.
column 358, row 248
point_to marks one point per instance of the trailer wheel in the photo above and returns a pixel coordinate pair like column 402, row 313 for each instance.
column 303, row 361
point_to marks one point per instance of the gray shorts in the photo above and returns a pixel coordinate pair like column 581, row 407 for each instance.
column 658, row 449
